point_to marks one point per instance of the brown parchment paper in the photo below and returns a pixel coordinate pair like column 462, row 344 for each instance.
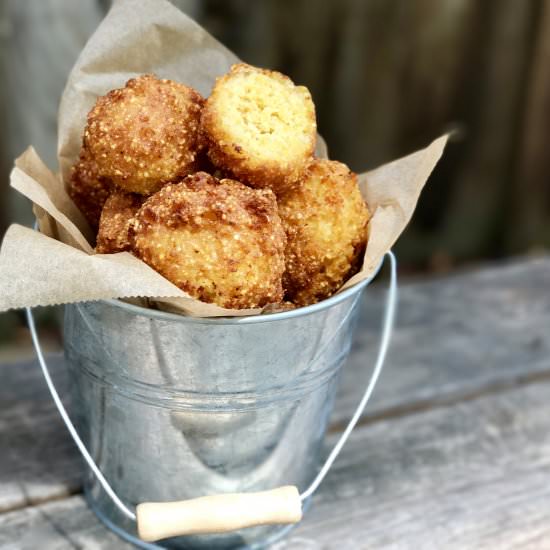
column 57, row 265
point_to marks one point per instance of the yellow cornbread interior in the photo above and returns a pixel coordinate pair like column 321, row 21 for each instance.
column 266, row 116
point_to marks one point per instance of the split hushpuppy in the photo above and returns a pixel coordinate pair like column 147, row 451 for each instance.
column 260, row 127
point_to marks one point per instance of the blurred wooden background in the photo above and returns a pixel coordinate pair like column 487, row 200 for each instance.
column 387, row 77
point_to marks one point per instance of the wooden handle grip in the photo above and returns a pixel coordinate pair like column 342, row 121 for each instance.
column 218, row 513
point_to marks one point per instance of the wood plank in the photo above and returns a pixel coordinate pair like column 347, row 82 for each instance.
column 38, row 460
column 475, row 213
column 474, row 475
column 61, row 525
column 471, row 475
column 455, row 336
column 531, row 193
column 482, row 310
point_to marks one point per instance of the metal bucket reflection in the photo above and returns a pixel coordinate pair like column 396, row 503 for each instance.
column 173, row 407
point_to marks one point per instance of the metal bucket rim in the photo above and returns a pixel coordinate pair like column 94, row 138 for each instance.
column 249, row 319
column 184, row 400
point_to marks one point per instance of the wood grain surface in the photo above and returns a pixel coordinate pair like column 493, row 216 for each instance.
column 469, row 475
column 452, row 453
column 472, row 475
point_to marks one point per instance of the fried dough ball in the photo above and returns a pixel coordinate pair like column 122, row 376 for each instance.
column 260, row 126
column 145, row 134
column 326, row 222
column 88, row 189
column 116, row 218
column 220, row 241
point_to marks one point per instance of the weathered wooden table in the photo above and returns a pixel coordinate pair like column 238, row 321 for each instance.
column 453, row 452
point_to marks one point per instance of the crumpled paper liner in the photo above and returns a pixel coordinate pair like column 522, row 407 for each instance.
column 58, row 264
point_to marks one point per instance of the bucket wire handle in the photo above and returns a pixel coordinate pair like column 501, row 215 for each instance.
column 70, row 426
column 226, row 512
column 387, row 327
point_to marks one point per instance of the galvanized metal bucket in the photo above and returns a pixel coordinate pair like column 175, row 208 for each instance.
column 173, row 407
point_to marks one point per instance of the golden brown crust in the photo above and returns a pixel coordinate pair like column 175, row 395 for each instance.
column 116, row 218
column 88, row 189
column 145, row 134
column 219, row 241
column 326, row 222
column 260, row 126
